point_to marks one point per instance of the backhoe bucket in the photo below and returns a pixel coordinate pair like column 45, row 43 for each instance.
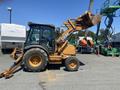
column 17, row 54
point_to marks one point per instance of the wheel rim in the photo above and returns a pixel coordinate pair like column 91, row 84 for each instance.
column 35, row 61
column 73, row 64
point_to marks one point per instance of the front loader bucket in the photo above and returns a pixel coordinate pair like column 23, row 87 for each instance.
column 87, row 20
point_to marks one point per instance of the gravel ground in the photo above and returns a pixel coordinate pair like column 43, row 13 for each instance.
column 98, row 73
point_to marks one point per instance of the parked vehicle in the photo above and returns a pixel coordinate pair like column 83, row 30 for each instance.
column 85, row 45
column 12, row 36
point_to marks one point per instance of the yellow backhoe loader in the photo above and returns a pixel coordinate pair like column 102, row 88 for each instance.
column 41, row 46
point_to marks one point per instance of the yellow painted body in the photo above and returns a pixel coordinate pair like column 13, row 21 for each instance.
column 63, row 52
column 69, row 50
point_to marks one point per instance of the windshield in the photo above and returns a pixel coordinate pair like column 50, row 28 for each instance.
column 33, row 36
column 40, row 34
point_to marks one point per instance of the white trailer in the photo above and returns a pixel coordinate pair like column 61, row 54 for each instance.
column 12, row 36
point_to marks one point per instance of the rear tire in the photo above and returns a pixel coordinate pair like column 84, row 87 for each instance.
column 35, row 60
column 72, row 64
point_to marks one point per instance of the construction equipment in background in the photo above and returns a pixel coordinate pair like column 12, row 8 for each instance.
column 73, row 41
column 116, row 41
column 41, row 47
column 108, row 10
column 85, row 45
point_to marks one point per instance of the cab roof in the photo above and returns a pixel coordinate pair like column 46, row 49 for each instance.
column 36, row 24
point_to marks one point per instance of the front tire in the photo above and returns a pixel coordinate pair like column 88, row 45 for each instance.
column 35, row 59
column 72, row 64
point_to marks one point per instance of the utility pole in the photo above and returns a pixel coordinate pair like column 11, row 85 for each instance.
column 10, row 14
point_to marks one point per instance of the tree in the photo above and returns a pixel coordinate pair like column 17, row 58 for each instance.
column 89, row 33
column 103, row 34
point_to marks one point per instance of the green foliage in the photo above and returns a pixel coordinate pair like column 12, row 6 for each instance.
column 103, row 34
column 89, row 33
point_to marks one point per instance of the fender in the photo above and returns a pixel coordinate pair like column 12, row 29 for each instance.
column 35, row 46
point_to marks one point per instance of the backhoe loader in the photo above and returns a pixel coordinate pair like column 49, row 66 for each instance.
column 42, row 48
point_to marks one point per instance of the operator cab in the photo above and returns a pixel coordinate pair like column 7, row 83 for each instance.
column 41, row 34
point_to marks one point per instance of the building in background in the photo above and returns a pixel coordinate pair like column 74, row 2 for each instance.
column 116, row 40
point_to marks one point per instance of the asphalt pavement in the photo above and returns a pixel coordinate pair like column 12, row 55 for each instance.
column 98, row 73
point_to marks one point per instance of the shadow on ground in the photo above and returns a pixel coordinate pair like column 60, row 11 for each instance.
column 7, row 51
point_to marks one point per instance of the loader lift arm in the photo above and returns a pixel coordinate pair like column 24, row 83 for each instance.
column 83, row 22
